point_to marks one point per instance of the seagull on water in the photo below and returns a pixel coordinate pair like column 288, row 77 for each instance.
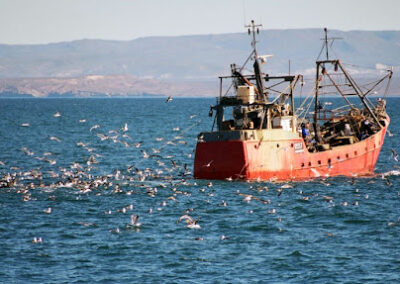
column 47, row 211
column 54, row 138
column 190, row 222
column 37, row 240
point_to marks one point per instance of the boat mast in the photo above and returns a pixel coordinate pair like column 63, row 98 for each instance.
column 318, row 78
column 356, row 88
column 253, row 29
column 326, row 43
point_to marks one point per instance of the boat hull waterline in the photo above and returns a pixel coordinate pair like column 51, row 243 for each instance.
column 274, row 158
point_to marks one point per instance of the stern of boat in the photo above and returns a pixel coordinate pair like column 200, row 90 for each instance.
column 220, row 160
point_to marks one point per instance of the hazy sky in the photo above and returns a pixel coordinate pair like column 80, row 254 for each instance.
column 43, row 21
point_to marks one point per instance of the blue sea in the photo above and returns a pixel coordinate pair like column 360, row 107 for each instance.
column 80, row 170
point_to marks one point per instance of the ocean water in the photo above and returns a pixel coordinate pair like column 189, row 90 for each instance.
column 338, row 230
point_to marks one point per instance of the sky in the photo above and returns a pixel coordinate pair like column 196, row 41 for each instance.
column 48, row 21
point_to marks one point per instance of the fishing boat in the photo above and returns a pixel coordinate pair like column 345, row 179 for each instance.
column 258, row 134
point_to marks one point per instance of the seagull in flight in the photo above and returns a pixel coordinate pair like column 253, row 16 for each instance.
column 135, row 221
column 209, row 164
column 145, row 155
column 395, row 155
column 125, row 128
column 168, row 99
column 94, row 127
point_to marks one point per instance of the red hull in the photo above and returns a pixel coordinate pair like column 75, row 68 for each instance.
column 286, row 159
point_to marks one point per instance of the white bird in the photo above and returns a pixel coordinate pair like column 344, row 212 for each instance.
column 190, row 222
column 135, row 221
column 285, row 186
column 92, row 160
column 94, row 127
column 51, row 162
column 127, row 136
column 25, row 124
column 102, row 136
column 145, row 155
column 395, row 155
column 26, row 151
column 81, row 144
column 126, row 144
column 47, row 211
column 248, row 198
column 116, row 231
column 37, row 240
column 54, row 138
column 263, row 58
column 168, row 99
column 173, row 163
column 57, row 114
column 209, row 164
column 125, row 128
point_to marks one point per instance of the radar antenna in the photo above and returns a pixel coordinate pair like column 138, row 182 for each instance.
column 252, row 29
column 326, row 42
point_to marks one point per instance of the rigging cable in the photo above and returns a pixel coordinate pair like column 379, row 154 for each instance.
column 387, row 86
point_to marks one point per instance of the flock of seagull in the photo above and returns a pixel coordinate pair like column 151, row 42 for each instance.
column 167, row 174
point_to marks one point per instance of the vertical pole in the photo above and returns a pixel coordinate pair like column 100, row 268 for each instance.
column 326, row 43
column 316, row 125
column 220, row 88
column 292, row 103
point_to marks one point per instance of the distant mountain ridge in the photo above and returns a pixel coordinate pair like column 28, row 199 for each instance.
column 195, row 57
column 101, row 86
column 164, row 65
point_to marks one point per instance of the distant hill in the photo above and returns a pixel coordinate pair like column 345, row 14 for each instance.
column 168, row 60
column 102, row 85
